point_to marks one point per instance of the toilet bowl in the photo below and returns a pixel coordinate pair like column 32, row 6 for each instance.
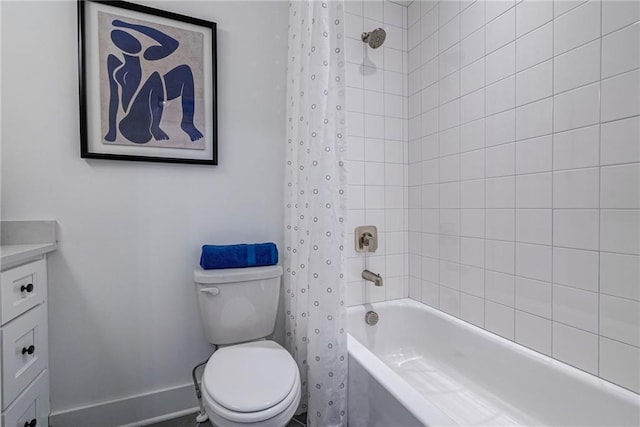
column 251, row 384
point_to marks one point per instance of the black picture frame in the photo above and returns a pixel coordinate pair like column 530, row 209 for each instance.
column 148, row 84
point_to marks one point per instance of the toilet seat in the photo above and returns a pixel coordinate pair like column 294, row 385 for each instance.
column 251, row 382
column 283, row 411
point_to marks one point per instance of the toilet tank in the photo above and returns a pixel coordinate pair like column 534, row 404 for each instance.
column 238, row 304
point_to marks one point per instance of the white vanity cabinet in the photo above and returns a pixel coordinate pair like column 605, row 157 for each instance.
column 24, row 345
column 24, row 342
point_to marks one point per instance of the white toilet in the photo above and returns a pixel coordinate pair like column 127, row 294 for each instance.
column 256, row 382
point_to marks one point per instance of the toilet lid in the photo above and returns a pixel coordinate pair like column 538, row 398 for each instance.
column 250, row 377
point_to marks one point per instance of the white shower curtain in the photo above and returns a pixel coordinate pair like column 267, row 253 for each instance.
column 315, row 211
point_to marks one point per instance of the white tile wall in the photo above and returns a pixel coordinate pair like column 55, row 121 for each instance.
column 619, row 363
column 577, row 67
column 618, row 14
column 575, row 347
column 576, row 148
column 378, row 112
column 497, row 148
column 523, row 171
column 533, row 332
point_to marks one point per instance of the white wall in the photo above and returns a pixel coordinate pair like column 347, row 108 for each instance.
column 524, row 151
column 377, row 147
column 123, row 315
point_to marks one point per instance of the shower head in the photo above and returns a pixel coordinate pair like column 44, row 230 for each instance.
column 374, row 38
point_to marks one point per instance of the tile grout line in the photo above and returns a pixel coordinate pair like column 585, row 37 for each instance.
column 384, row 152
column 599, row 189
column 459, row 71
column 484, row 178
column 553, row 88
column 363, row 262
column 436, row 7
column 421, row 287
column 515, row 181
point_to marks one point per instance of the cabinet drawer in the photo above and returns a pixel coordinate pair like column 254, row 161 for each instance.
column 33, row 404
column 24, row 352
column 22, row 288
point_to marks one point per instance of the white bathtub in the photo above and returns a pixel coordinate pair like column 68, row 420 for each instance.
column 419, row 366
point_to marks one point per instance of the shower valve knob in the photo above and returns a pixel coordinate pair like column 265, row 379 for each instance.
column 366, row 238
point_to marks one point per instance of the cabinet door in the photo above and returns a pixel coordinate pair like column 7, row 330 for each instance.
column 32, row 405
column 22, row 288
column 24, row 352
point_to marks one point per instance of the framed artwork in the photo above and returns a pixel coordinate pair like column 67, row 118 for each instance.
column 147, row 84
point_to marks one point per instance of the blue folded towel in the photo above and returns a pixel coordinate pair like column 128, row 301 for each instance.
column 238, row 256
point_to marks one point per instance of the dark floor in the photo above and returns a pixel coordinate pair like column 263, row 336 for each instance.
column 190, row 421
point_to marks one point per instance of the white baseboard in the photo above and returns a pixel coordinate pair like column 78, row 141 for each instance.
column 133, row 411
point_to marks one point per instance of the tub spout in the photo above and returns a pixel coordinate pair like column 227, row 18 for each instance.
column 372, row 277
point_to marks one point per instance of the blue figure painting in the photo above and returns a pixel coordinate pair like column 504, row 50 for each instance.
column 137, row 97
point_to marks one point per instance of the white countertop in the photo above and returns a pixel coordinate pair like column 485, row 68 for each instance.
column 14, row 254
column 25, row 241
